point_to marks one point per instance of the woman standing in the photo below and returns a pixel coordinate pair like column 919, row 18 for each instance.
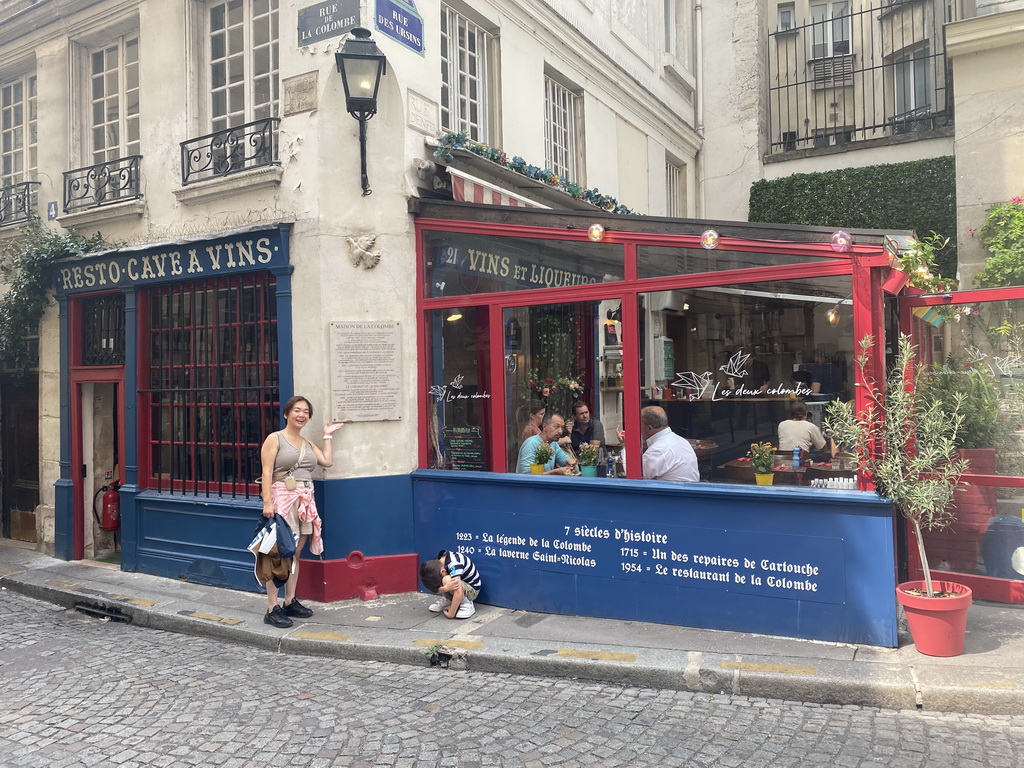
column 288, row 459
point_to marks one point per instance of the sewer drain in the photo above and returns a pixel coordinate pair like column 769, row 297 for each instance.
column 96, row 611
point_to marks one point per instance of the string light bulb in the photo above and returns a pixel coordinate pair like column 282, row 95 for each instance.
column 709, row 239
column 833, row 317
column 841, row 242
column 596, row 233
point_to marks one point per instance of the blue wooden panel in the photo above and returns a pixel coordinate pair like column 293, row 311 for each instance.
column 783, row 561
column 369, row 514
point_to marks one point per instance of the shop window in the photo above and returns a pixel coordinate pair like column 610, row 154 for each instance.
column 729, row 363
column 211, row 382
column 460, row 391
column 463, row 264
column 661, row 261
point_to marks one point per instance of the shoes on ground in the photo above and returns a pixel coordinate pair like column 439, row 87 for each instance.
column 277, row 618
column 466, row 609
column 297, row 610
column 440, row 605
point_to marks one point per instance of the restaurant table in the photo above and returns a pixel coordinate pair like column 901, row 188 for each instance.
column 741, row 471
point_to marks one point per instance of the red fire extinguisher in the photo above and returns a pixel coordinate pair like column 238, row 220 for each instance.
column 111, row 517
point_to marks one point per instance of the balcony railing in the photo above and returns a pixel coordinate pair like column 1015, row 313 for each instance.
column 874, row 73
column 17, row 202
column 231, row 150
column 103, row 184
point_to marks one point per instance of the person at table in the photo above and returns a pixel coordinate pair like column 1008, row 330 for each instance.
column 550, row 431
column 537, row 409
column 585, row 429
column 798, row 430
column 668, row 456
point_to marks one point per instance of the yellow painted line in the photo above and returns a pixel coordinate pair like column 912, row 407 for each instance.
column 139, row 601
column 63, row 584
column 212, row 617
column 374, row 618
column 322, row 636
column 785, row 669
column 468, row 645
column 1003, row 684
column 576, row 653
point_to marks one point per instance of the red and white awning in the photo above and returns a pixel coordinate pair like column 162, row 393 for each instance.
column 468, row 189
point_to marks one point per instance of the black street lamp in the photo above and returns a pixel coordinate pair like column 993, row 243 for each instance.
column 361, row 64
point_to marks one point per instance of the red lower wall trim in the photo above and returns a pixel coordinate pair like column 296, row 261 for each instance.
column 325, row 581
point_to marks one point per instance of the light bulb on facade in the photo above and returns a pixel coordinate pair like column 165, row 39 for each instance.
column 596, row 233
column 832, row 316
column 709, row 239
column 841, row 241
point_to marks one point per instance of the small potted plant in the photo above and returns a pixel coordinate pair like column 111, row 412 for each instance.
column 905, row 442
column 762, row 459
column 440, row 655
column 916, row 265
column 542, row 454
column 589, row 455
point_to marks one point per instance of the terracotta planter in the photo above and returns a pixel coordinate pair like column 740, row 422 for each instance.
column 537, row 469
column 937, row 624
column 589, row 470
column 764, row 479
column 895, row 282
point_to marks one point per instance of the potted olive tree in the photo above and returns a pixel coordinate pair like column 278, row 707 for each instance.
column 905, row 443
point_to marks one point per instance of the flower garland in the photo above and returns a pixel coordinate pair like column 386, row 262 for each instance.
column 545, row 386
column 452, row 141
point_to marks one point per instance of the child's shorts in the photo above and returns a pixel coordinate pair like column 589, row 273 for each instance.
column 470, row 592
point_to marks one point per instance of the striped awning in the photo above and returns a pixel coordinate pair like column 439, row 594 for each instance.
column 468, row 189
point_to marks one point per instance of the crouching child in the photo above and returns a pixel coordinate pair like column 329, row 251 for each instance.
column 454, row 577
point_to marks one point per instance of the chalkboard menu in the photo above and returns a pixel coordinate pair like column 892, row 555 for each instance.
column 464, row 448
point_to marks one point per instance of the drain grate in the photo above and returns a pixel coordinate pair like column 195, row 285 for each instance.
column 96, row 611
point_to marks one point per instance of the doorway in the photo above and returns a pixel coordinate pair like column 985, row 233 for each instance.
column 97, row 449
column 19, row 458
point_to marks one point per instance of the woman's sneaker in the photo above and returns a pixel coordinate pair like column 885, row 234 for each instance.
column 277, row 618
column 466, row 609
column 440, row 605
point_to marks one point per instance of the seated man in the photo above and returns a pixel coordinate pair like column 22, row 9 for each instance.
column 797, row 430
column 550, row 430
column 668, row 456
column 584, row 428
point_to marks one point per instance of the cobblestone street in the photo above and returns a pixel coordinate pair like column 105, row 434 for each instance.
column 77, row 691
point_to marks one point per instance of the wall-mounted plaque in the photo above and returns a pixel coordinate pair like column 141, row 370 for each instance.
column 366, row 371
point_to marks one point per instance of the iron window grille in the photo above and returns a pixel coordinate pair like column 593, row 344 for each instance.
column 231, row 150
column 213, row 390
column 17, row 202
column 103, row 184
column 103, row 330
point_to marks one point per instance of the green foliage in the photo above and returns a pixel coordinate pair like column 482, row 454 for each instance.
column 1003, row 236
column 973, row 389
column 589, row 455
column 762, row 457
column 542, row 453
column 26, row 266
column 905, row 442
column 918, row 195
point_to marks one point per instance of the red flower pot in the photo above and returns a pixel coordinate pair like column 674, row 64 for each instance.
column 937, row 624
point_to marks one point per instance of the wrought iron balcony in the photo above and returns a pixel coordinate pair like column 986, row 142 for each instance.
column 102, row 184
column 229, row 151
column 17, row 202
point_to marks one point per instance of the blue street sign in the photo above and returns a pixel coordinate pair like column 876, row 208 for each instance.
column 399, row 20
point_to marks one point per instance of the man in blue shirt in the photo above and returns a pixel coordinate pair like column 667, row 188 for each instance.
column 551, row 429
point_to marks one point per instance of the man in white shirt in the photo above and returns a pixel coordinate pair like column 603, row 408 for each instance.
column 668, row 456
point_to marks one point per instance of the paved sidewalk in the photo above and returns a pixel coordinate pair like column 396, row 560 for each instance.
column 987, row 678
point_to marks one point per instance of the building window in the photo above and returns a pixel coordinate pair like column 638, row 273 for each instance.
column 18, row 132
column 787, row 20
column 562, row 128
column 114, row 99
column 912, row 82
column 675, row 189
column 831, row 24
column 466, row 51
column 244, row 81
column 211, row 382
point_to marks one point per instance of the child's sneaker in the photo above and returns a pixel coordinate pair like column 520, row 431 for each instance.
column 440, row 605
column 466, row 609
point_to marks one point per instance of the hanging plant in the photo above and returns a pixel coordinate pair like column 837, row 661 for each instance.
column 26, row 267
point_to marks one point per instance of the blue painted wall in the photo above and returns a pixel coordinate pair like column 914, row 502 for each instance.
column 202, row 539
column 780, row 561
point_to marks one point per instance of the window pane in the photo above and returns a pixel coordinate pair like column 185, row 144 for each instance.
column 468, row 264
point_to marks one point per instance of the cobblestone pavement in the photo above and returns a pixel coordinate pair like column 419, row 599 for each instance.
column 77, row 691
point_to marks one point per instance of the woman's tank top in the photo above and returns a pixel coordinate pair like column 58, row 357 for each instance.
column 287, row 455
